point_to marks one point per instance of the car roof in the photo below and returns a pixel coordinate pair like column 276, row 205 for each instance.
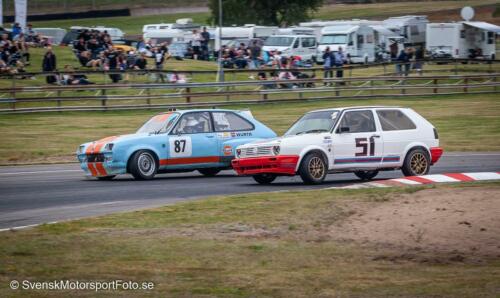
column 200, row 110
column 357, row 108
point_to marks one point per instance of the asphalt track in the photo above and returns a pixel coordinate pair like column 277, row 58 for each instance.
column 31, row 195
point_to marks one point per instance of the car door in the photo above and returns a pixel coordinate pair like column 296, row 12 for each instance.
column 357, row 142
column 192, row 142
column 232, row 130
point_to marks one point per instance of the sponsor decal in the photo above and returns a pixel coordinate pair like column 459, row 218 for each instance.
column 241, row 134
column 228, row 150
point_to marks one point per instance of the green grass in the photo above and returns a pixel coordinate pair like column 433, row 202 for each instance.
column 464, row 122
column 198, row 249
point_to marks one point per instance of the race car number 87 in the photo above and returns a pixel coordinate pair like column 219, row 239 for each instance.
column 180, row 147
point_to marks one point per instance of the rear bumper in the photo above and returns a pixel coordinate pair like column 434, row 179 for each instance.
column 436, row 153
column 281, row 164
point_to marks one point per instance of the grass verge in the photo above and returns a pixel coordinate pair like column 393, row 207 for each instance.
column 258, row 245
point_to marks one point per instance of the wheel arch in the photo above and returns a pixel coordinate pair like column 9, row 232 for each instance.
column 135, row 150
column 416, row 145
column 311, row 149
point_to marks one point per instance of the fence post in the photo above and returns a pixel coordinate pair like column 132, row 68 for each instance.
column 188, row 98
column 403, row 82
column 148, row 96
column 58, row 99
column 13, row 93
column 371, row 85
column 456, row 67
column 466, row 83
column 435, row 85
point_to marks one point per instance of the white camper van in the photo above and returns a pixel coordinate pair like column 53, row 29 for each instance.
column 462, row 40
column 412, row 28
column 167, row 35
column 292, row 45
column 357, row 41
column 235, row 35
column 155, row 27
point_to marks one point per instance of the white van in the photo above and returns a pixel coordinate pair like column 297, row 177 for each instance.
column 461, row 40
column 292, row 45
column 167, row 35
column 411, row 27
column 155, row 27
column 357, row 41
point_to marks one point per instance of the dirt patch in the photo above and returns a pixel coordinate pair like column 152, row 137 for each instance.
column 457, row 224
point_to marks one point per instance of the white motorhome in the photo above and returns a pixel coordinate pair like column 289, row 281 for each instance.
column 55, row 35
column 243, row 34
column 357, row 41
column 295, row 31
column 462, row 40
column 292, row 45
column 167, row 35
column 411, row 27
column 155, row 27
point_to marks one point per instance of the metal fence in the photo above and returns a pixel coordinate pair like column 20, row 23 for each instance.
column 103, row 97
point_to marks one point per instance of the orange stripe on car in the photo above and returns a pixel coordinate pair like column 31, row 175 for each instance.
column 162, row 117
column 99, row 144
column 92, row 169
column 100, row 169
column 189, row 160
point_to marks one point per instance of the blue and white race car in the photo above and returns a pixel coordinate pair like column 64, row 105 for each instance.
column 177, row 141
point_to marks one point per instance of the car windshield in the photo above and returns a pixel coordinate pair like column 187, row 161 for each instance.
column 159, row 123
column 314, row 122
column 333, row 39
column 278, row 41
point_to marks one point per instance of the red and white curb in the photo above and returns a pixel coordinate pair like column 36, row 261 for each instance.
column 429, row 179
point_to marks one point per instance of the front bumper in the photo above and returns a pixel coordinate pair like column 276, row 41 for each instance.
column 281, row 164
column 97, row 165
column 436, row 153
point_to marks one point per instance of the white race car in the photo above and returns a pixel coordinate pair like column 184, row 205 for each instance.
column 362, row 140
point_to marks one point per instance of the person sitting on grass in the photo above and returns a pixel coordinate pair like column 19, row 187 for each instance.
column 69, row 78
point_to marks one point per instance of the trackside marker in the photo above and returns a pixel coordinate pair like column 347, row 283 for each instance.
column 406, row 181
column 441, row 178
column 484, row 175
column 420, row 179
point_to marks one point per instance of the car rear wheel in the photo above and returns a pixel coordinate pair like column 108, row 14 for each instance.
column 417, row 163
column 264, row 178
column 366, row 175
column 143, row 165
column 104, row 178
column 313, row 168
column 209, row 172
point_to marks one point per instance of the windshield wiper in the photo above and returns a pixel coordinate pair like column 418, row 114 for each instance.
column 312, row 130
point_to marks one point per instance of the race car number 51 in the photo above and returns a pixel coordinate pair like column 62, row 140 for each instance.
column 180, row 147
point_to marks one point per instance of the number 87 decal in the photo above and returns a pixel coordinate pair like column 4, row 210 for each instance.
column 363, row 143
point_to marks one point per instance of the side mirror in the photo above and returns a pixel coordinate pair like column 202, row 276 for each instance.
column 343, row 129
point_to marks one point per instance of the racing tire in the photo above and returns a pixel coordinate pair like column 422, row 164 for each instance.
column 366, row 175
column 210, row 172
column 264, row 178
column 143, row 165
column 106, row 178
column 417, row 162
column 313, row 168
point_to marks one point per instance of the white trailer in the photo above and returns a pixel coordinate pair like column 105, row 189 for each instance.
column 410, row 27
column 356, row 41
column 462, row 40
column 292, row 45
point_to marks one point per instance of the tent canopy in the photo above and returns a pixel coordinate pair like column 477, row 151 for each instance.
column 484, row 26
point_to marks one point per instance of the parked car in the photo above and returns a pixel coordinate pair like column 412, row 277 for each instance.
column 177, row 141
column 362, row 140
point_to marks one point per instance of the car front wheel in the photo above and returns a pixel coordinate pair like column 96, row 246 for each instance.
column 143, row 165
column 264, row 178
column 313, row 168
column 366, row 175
column 417, row 163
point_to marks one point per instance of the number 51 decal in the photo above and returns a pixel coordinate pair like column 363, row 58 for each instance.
column 365, row 146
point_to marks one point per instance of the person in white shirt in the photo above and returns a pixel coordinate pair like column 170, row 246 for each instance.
column 196, row 44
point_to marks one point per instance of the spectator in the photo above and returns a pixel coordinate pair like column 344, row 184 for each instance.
column 112, row 63
column 196, row 44
column 418, row 65
column 159, row 57
column 16, row 29
column 69, row 78
column 255, row 55
column 340, row 59
column 329, row 61
column 141, row 62
column 205, row 39
column 49, row 64
column 403, row 60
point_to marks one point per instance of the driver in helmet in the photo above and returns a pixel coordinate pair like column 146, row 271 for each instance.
column 193, row 126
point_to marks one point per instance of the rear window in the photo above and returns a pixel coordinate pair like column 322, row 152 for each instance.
column 394, row 120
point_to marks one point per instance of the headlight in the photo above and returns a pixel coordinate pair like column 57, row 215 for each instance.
column 276, row 150
column 109, row 146
column 80, row 149
column 238, row 152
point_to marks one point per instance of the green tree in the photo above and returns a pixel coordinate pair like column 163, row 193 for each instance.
column 263, row 12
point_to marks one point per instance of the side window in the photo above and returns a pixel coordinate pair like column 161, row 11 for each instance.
column 394, row 120
column 308, row 42
column 358, row 121
column 360, row 39
column 491, row 37
column 190, row 123
column 296, row 43
column 227, row 121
